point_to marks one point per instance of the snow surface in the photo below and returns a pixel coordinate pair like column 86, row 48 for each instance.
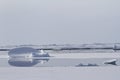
column 60, row 73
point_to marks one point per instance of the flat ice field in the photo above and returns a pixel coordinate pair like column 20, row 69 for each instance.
column 60, row 73
column 73, row 66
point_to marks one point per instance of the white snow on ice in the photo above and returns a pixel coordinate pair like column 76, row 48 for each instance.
column 60, row 73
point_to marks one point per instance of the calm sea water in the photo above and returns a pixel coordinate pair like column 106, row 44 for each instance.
column 54, row 62
column 23, row 62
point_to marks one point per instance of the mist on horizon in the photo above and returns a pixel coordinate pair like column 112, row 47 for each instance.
column 59, row 22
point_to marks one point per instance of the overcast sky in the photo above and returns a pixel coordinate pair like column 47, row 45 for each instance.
column 59, row 21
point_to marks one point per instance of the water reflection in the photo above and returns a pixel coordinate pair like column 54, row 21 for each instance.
column 56, row 62
column 26, row 62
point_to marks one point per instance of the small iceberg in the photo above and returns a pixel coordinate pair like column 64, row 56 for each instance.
column 112, row 62
column 26, row 52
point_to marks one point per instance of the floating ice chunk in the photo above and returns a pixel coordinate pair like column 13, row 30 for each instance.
column 26, row 52
column 113, row 62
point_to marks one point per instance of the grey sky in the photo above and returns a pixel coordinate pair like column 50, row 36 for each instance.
column 59, row 21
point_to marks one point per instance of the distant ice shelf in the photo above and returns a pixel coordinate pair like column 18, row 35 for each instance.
column 79, row 55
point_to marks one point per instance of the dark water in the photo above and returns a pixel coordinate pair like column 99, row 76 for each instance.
column 54, row 62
